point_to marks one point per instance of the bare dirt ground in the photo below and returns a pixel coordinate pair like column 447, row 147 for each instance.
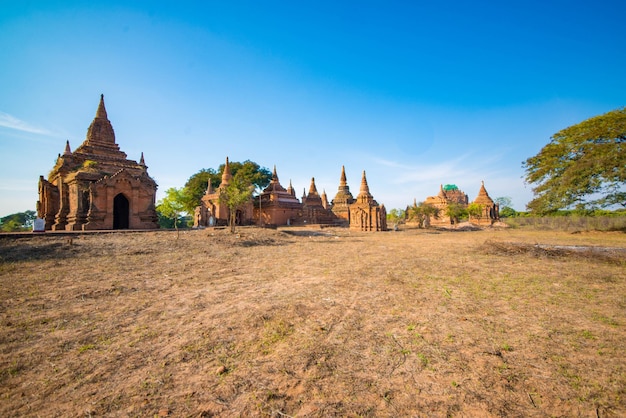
column 314, row 322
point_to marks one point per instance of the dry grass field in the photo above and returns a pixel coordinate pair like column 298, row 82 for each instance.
column 314, row 323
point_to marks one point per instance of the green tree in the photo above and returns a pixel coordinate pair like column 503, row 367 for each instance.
column 396, row 216
column 236, row 194
column 456, row 212
column 584, row 164
column 505, row 204
column 422, row 213
column 475, row 210
column 197, row 184
column 21, row 221
column 171, row 206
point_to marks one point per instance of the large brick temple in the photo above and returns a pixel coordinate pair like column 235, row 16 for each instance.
column 96, row 186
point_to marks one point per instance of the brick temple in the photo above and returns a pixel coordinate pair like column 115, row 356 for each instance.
column 277, row 205
column 96, row 186
column 451, row 194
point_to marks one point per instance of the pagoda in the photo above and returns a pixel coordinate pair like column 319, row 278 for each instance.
column 365, row 213
column 96, row 186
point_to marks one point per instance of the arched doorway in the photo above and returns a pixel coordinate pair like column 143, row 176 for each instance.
column 120, row 212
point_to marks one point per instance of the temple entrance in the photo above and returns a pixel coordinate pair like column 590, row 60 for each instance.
column 120, row 212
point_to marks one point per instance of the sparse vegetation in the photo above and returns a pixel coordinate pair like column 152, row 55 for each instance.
column 305, row 322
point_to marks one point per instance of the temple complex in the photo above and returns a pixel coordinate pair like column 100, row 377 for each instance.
column 97, row 186
column 448, row 194
column 276, row 206
column 490, row 210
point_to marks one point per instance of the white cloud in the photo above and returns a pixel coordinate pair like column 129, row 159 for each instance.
column 11, row 122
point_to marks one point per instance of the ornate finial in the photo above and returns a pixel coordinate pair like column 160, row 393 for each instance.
column 141, row 160
column 67, row 151
column 364, row 187
column 101, row 113
column 226, row 175
column 312, row 188
column 290, row 189
column 342, row 180
column 274, row 175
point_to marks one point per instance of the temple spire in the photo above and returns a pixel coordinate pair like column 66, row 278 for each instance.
column 141, row 160
column 274, row 175
column 68, row 150
column 324, row 199
column 226, row 175
column 365, row 189
column 343, row 181
column 312, row 188
column 364, row 193
column 101, row 113
column 100, row 132
column 482, row 190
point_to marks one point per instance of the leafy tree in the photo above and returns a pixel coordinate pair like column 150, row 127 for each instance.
column 422, row 213
column 196, row 187
column 455, row 212
column 396, row 216
column 197, row 184
column 503, row 201
column 171, row 205
column 584, row 164
column 505, row 204
column 21, row 221
column 237, row 193
column 475, row 210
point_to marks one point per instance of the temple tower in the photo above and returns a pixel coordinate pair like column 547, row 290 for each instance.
column 97, row 186
column 490, row 210
column 365, row 213
column 343, row 199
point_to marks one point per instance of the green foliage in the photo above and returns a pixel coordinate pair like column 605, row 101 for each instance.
column 475, row 209
column 250, row 172
column 422, row 213
column 196, row 187
column 507, row 212
column 456, row 212
column 90, row 164
column 235, row 195
column 505, row 203
column 171, row 206
column 21, row 221
column 197, row 184
column 584, row 164
column 396, row 216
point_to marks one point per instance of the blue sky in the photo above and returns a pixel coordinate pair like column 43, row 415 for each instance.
column 416, row 93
